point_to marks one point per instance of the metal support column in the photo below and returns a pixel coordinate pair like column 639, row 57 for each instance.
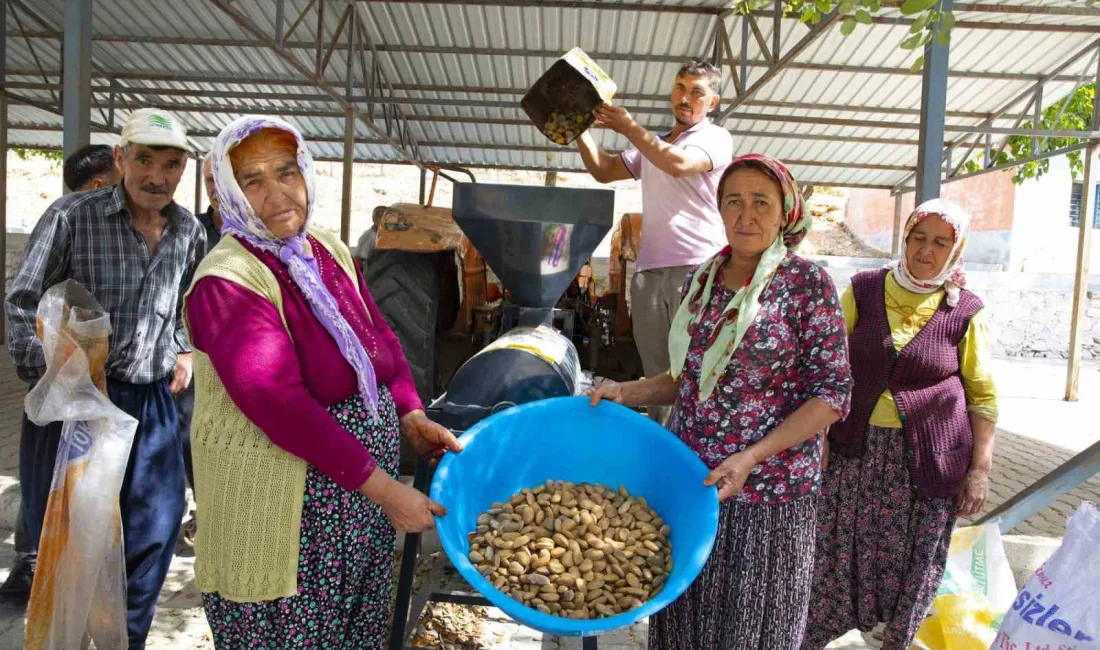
column 1081, row 276
column 423, row 184
column 399, row 630
column 198, row 185
column 744, row 51
column 349, row 164
column 933, row 115
column 1040, row 494
column 551, row 178
column 3, row 164
column 77, row 77
column 895, row 245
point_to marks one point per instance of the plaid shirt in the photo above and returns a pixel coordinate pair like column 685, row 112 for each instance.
column 89, row 237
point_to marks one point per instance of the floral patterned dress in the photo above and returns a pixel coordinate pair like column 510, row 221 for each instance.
column 754, row 591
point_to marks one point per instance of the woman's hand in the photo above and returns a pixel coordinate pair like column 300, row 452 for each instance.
column 731, row 475
column 975, row 489
column 608, row 390
column 408, row 509
column 429, row 439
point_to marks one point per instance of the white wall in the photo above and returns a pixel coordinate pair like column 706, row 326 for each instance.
column 1042, row 239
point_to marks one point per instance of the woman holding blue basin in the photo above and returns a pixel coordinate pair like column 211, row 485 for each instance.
column 759, row 370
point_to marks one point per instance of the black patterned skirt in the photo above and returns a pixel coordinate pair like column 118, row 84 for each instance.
column 753, row 592
column 881, row 548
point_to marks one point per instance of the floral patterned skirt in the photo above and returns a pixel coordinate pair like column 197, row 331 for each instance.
column 345, row 570
column 881, row 548
column 754, row 589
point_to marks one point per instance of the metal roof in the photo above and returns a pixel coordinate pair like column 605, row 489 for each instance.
column 449, row 74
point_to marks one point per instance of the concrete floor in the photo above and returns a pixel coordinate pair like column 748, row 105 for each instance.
column 1037, row 432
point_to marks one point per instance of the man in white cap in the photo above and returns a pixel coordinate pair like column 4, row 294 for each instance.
column 135, row 250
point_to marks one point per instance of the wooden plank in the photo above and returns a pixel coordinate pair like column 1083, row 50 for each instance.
column 1081, row 278
column 411, row 227
column 895, row 246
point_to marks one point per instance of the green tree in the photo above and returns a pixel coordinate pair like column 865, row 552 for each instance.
column 53, row 155
column 931, row 21
column 1071, row 113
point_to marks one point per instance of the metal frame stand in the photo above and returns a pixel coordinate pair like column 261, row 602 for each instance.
column 399, row 633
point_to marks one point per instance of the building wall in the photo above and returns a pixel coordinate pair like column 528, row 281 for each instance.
column 1043, row 240
column 990, row 200
column 1028, row 313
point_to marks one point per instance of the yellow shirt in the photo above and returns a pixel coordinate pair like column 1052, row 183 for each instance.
column 908, row 313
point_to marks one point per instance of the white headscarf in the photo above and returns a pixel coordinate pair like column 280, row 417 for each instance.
column 952, row 277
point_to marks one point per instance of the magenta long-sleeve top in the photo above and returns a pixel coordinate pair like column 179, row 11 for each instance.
column 284, row 382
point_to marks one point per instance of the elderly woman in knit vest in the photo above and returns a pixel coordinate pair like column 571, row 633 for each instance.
column 759, row 370
column 302, row 396
column 916, row 450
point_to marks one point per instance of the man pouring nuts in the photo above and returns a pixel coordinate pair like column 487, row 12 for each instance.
column 681, row 226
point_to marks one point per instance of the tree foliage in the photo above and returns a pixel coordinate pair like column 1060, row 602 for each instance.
column 930, row 20
column 53, row 155
column 1071, row 113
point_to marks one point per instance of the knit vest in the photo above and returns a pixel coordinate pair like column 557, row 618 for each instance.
column 249, row 490
column 924, row 379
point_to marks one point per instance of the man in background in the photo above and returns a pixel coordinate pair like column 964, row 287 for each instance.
column 367, row 240
column 681, row 225
column 89, row 168
column 135, row 250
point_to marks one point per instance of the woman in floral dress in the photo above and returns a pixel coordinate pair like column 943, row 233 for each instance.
column 302, row 394
column 759, row 370
column 916, row 450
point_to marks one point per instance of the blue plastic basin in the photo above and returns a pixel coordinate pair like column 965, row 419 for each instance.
column 564, row 439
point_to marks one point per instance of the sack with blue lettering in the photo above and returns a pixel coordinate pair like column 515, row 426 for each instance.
column 976, row 590
column 1059, row 607
column 79, row 592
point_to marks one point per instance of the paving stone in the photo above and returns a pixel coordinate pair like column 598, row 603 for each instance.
column 1019, row 461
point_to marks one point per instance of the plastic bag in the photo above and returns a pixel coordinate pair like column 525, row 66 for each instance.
column 1059, row 607
column 79, row 592
column 976, row 590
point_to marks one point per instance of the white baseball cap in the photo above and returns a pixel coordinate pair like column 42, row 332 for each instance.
column 154, row 128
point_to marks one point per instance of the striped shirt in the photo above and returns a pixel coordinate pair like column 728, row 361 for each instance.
column 89, row 237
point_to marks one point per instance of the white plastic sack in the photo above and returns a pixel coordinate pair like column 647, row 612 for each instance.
column 976, row 590
column 79, row 591
column 1059, row 607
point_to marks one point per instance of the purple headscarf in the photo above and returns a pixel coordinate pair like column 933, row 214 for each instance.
column 242, row 222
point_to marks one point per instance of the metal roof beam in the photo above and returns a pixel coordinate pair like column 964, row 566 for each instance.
column 49, row 128
column 504, row 52
column 570, row 4
column 405, row 149
column 474, row 103
column 1031, row 95
column 183, row 108
column 1016, row 9
column 782, row 135
column 779, row 63
column 724, row 10
column 534, row 168
column 1011, row 9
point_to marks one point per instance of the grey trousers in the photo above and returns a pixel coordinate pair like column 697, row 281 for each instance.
column 654, row 298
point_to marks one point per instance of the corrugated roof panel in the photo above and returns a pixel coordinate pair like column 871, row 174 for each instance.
column 624, row 37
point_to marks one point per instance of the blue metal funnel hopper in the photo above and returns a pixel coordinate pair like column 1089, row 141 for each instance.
column 534, row 238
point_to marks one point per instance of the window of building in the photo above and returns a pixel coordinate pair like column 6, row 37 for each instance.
column 1075, row 195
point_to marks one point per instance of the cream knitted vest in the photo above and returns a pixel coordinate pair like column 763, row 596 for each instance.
column 250, row 491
